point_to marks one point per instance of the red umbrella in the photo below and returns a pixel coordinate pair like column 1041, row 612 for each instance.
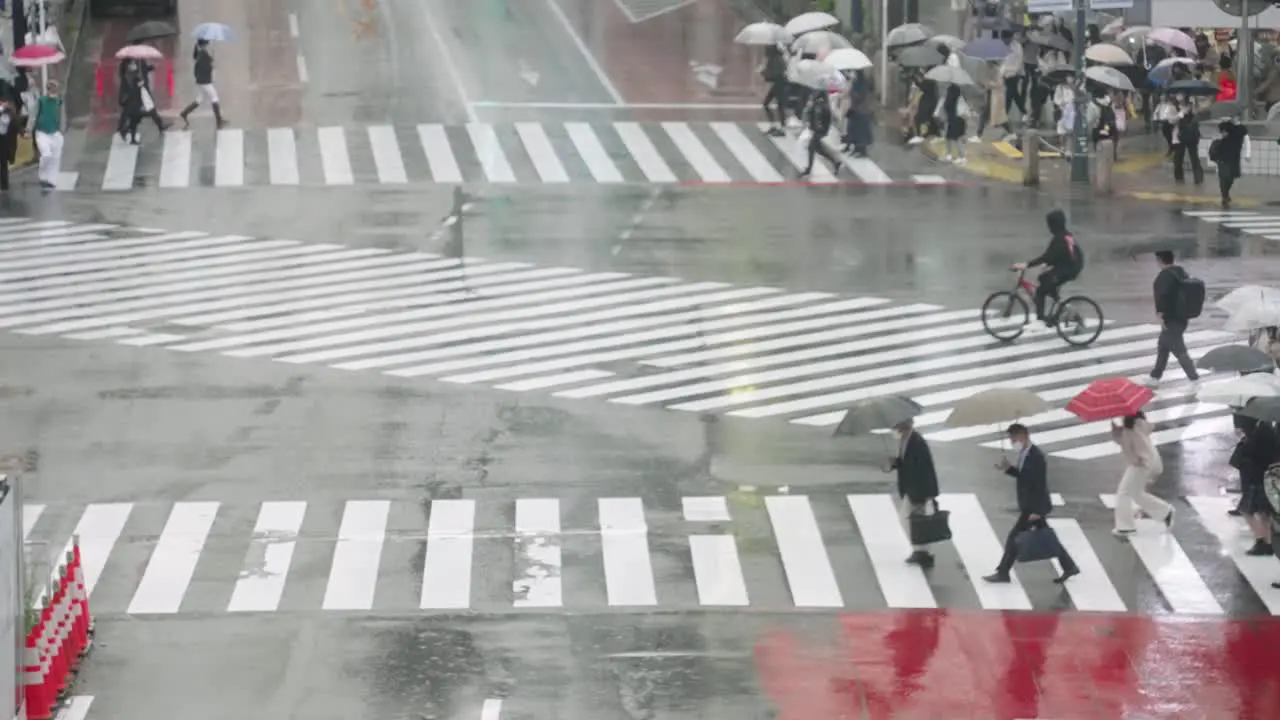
column 1107, row 398
column 36, row 56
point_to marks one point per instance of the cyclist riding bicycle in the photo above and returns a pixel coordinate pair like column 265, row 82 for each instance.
column 1063, row 262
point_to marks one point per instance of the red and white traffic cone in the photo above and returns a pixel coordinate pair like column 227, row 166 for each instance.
column 35, row 692
column 82, row 603
column 74, row 648
column 62, row 662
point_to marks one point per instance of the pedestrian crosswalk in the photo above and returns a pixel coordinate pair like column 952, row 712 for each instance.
column 1248, row 223
column 776, row 552
column 714, row 153
column 693, row 347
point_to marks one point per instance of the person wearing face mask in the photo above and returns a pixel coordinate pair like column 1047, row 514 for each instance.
column 1031, row 472
column 917, row 484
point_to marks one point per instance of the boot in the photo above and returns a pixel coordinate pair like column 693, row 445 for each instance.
column 186, row 124
column 217, row 116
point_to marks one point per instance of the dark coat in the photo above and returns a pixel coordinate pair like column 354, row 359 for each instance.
column 917, row 479
column 1033, row 484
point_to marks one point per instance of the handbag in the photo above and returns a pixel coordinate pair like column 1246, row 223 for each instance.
column 1037, row 543
column 929, row 529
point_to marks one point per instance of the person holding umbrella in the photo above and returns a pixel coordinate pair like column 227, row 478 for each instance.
column 203, row 70
column 49, row 122
column 1142, row 466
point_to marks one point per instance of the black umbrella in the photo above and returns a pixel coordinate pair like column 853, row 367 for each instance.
column 877, row 413
column 1266, row 409
column 1198, row 88
column 920, row 56
column 1237, row 359
column 150, row 30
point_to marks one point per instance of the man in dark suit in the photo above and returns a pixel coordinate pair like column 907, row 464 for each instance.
column 917, row 484
column 1032, row 473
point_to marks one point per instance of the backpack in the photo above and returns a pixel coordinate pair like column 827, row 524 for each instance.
column 1077, row 257
column 1215, row 151
column 1190, row 300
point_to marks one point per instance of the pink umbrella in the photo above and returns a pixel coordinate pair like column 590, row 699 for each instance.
column 139, row 52
column 36, row 56
column 1172, row 38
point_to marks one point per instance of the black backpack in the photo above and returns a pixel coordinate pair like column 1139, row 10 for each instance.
column 1215, row 151
column 1191, row 294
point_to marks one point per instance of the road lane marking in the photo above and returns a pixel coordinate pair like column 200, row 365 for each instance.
column 586, row 53
column 717, row 571
column 1235, row 537
column 293, row 25
column 903, row 585
column 77, row 708
column 624, row 546
column 266, row 564
column 543, row 156
column 803, row 553
column 303, row 76
column 593, row 153
column 353, row 576
column 980, row 549
column 751, row 159
column 229, row 168
column 788, row 146
column 99, row 528
column 282, row 156
column 334, row 157
column 1091, row 590
column 435, row 143
column 1169, row 567
column 122, row 163
column 655, row 169
column 450, row 66
column 174, row 558
column 386, row 155
column 537, row 554
column 175, row 165
column 484, row 139
column 446, row 571
column 695, row 152
column 491, row 710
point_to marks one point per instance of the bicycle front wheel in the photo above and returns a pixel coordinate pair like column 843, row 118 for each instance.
column 1079, row 321
column 1005, row 315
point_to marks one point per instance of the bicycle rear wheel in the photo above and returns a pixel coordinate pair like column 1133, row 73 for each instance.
column 1079, row 320
column 1005, row 315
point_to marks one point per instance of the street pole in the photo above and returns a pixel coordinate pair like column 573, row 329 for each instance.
column 19, row 23
column 44, row 69
column 884, row 50
column 1244, row 47
column 1080, row 139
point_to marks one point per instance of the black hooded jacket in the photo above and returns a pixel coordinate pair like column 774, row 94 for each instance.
column 1063, row 255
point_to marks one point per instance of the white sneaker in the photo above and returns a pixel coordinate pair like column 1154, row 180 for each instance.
column 975, row 139
column 915, row 140
column 1150, row 382
column 946, row 158
column 959, row 161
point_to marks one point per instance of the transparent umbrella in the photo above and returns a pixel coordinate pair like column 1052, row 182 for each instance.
column 909, row 34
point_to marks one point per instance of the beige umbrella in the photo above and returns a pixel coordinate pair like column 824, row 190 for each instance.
column 1108, row 54
column 996, row 406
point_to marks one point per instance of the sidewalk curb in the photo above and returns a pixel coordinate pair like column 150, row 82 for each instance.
column 79, row 11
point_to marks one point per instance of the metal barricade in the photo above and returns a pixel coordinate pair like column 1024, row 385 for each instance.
column 13, row 620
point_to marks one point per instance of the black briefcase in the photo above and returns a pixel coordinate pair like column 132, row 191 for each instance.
column 930, row 529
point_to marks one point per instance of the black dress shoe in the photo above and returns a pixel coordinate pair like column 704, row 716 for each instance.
column 1066, row 575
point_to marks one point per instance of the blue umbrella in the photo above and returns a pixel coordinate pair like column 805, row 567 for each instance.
column 213, row 32
column 986, row 49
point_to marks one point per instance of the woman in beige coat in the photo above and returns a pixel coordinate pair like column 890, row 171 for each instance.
column 1142, row 466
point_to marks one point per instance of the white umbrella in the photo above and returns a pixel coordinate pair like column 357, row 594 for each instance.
column 1169, row 62
column 811, row 21
column 1254, row 315
column 1108, row 54
column 848, row 59
column 815, row 74
column 952, row 42
column 909, row 34
column 995, row 406
column 1237, row 392
column 1170, row 37
column 1248, row 295
column 1135, row 34
column 820, row 41
column 1110, row 77
column 949, row 75
column 762, row 33
column 1115, row 27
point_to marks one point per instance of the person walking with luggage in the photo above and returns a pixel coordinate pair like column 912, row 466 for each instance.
column 1179, row 298
column 917, row 485
column 1031, row 472
column 1142, row 466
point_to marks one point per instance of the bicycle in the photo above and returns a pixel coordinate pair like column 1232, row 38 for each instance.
column 1077, row 319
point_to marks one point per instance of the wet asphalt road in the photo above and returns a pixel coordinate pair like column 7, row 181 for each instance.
column 105, row 423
